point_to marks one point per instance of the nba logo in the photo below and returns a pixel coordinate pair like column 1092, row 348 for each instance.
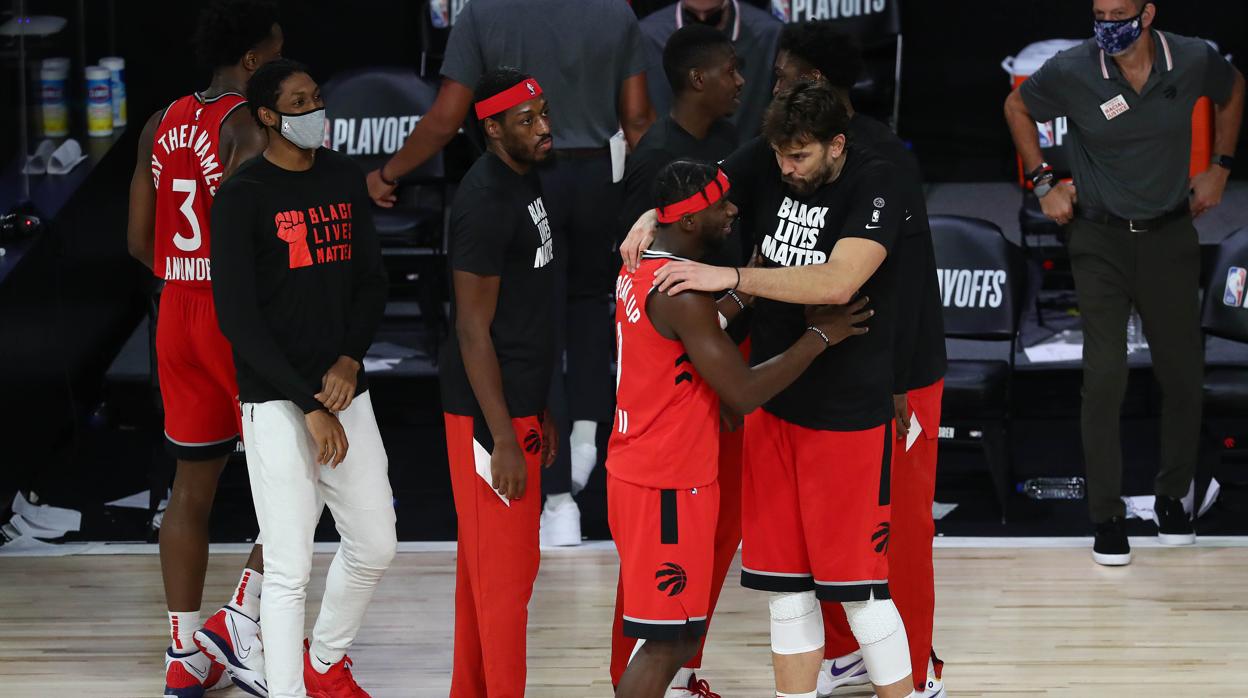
column 1046, row 134
column 529, row 85
column 440, row 13
column 1236, row 278
column 780, row 8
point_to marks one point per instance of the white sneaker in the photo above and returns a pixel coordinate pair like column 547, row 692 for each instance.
column 842, row 671
column 935, row 686
column 584, row 458
column 560, row 524
column 233, row 639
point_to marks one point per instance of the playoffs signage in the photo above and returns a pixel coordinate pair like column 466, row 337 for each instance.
column 857, row 17
column 369, row 114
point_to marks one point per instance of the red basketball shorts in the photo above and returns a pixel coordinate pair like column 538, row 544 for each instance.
column 666, row 541
column 815, row 509
column 197, row 381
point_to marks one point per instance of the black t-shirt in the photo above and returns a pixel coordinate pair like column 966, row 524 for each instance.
column 499, row 227
column 298, row 277
column 848, row 387
column 664, row 143
column 919, row 359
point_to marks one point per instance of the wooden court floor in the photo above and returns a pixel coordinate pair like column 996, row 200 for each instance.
column 1009, row 622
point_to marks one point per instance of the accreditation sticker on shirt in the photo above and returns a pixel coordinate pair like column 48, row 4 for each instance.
column 1114, row 107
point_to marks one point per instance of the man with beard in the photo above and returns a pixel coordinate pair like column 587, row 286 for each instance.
column 676, row 367
column 817, row 51
column 816, row 505
column 495, row 376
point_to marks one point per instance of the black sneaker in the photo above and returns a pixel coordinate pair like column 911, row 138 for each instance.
column 1111, row 547
column 1174, row 526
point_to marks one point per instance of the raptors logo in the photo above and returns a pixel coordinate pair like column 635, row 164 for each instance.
column 880, row 537
column 672, row 578
column 533, row 441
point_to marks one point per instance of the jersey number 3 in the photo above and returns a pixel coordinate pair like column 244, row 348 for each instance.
column 192, row 243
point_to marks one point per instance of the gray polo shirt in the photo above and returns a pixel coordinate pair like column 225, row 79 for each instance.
column 580, row 51
column 755, row 35
column 1129, row 152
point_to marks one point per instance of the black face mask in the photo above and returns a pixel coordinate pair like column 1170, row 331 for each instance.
column 712, row 20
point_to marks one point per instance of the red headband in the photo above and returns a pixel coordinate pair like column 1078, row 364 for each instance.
column 508, row 98
column 714, row 191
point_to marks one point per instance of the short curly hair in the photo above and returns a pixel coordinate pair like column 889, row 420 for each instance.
column 266, row 84
column 824, row 47
column 228, row 29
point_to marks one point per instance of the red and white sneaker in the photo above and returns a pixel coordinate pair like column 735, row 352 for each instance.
column 233, row 639
column 338, row 682
column 189, row 675
column 697, row 688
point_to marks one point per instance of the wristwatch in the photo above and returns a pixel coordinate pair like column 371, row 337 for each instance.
column 1043, row 184
column 1225, row 161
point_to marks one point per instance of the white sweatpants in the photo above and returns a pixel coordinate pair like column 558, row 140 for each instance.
column 288, row 487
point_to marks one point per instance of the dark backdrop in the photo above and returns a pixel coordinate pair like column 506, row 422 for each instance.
column 953, row 85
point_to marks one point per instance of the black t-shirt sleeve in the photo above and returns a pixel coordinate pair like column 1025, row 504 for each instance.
column 480, row 237
column 368, row 294
column 1044, row 93
column 876, row 208
column 234, row 220
column 1219, row 77
column 744, row 168
column 639, row 176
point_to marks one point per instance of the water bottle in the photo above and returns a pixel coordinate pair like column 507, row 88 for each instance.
column 1053, row 488
column 117, row 87
column 53, row 75
column 99, row 102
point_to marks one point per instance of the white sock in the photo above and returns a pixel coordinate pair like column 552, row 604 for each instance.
column 318, row 664
column 682, row 677
column 182, row 625
column 554, row 501
column 584, row 432
column 246, row 596
column 808, row 694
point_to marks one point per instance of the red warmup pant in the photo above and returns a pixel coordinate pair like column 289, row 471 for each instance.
column 495, row 566
column 910, row 576
column 727, row 540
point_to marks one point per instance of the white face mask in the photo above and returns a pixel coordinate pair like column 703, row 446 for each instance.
column 306, row 130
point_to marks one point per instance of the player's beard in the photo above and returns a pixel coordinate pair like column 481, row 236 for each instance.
column 807, row 186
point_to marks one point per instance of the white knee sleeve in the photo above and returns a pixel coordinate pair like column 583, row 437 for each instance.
column 796, row 623
column 876, row 625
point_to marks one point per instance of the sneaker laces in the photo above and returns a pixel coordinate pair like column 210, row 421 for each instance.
column 700, row 687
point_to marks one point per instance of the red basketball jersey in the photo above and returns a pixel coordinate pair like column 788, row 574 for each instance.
column 187, row 169
column 666, row 432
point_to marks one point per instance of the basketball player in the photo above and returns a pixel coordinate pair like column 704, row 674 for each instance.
column 185, row 152
column 817, row 51
column 300, row 293
column 702, row 68
column 495, row 377
column 815, row 510
column 676, row 364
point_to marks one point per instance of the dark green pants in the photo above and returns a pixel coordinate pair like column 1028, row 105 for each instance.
column 1158, row 271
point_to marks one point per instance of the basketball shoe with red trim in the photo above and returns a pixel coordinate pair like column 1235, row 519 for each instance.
column 190, row 674
column 338, row 682
column 697, row 688
column 233, row 639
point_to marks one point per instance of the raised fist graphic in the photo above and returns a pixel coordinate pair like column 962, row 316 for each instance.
column 292, row 229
